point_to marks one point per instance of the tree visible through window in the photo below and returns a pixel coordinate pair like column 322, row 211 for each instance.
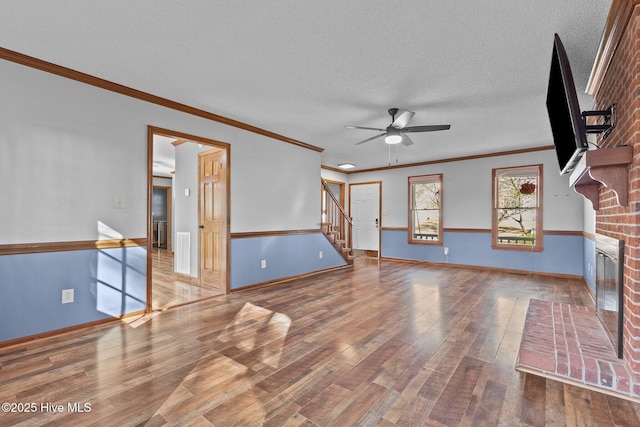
column 517, row 218
column 425, row 209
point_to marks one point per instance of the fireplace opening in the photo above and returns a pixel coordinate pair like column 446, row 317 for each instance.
column 609, row 294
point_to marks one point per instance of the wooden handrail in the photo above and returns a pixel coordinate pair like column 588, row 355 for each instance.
column 336, row 222
column 333, row 197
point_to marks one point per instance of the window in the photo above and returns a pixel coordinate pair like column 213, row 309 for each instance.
column 517, row 210
column 425, row 209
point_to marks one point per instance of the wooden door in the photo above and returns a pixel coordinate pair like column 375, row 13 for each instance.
column 213, row 220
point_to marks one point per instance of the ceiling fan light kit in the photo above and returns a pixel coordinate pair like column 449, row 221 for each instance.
column 393, row 136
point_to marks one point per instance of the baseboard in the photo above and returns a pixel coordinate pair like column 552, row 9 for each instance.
column 289, row 278
column 484, row 268
column 186, row 278
column 69, row 329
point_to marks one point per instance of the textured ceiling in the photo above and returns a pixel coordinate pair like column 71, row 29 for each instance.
column 306, row 69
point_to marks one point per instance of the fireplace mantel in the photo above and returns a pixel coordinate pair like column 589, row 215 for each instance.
column 606, row 166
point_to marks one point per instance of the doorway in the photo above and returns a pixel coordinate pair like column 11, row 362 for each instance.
column 181, row 259
column 161, row 216
column 364, row 202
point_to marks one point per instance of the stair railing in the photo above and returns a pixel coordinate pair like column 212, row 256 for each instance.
column 334, row 215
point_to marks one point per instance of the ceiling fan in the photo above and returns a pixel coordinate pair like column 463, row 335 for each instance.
column 395, row 132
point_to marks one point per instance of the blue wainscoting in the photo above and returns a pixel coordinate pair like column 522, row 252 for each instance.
column 106, row 282
column 589, row 273
column 561, row 254
column 286, row 256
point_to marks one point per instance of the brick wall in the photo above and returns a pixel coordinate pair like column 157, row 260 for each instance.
column 621, row 85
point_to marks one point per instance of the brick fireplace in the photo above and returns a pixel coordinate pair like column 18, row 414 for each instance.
column 616, row 79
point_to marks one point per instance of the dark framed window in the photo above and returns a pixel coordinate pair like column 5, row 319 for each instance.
column 517, row 208
column 425, row 209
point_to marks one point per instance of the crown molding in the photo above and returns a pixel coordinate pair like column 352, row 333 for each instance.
column 447, row 160
column 39, row 64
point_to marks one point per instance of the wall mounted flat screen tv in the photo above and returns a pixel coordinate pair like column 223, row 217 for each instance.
column 567, row 124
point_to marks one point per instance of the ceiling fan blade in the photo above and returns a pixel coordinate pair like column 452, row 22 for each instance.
column 370, row 139
column 366, row 128
column 426, row 128
column 406, row 141
column 403, row 119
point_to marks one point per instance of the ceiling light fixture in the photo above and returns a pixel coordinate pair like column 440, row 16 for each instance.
column 346, row 166
column 393, row 136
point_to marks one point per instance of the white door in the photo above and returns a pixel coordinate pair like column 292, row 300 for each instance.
column 365, row 211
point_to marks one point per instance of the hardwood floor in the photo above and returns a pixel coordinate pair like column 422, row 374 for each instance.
column 384, row 343
column 168, row 291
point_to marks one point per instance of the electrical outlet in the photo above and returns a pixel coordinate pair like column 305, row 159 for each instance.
column 320, row 254
column 67, row 296
column 264, row 263
column 446, row 250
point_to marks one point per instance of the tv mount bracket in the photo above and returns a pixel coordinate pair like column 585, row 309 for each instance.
column 605, row 128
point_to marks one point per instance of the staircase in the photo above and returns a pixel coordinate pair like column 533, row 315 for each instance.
column 336, row 224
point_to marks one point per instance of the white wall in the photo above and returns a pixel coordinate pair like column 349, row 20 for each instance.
column 68, row 149
column 589, row 218
column 162, row 182
column 274, row 178
column 467, row 192
column 334, row 176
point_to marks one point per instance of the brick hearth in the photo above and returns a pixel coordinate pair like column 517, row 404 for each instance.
column 567, row 343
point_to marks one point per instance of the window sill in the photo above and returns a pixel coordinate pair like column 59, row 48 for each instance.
column 426, row 242
column 521, row 248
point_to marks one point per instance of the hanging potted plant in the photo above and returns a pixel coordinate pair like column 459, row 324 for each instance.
column 527, row 188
